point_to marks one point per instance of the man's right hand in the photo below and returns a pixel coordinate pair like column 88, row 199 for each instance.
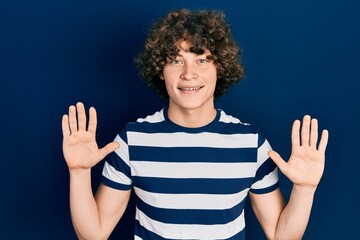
column 79, row 144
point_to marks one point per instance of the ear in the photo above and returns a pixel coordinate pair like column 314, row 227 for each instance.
column 161, row 76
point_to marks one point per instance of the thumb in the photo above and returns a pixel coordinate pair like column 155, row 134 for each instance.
column 277, row 159
column 110, row 147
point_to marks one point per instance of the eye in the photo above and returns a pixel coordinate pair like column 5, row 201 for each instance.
column 203, row 61
column 175, row 62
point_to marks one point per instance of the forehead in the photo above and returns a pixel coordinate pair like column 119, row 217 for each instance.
column 184, row 46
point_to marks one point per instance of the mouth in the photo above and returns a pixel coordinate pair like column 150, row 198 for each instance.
column 189, row 89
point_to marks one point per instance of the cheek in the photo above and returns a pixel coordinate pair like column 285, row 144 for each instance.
column 212, row 76
column 169, row 73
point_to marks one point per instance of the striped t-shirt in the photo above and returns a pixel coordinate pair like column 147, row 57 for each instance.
column 190, row 183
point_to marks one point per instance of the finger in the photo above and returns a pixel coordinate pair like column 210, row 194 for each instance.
column 92, row 120
column 72, row 119
column 103, row 152
column 323, row 141
column 278, row 161
column 65, row 126
column 295, row 137
column 313, row 133
column 81, row 116
column 305, row 131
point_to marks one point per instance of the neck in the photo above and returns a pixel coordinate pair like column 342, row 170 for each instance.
column 192, row 118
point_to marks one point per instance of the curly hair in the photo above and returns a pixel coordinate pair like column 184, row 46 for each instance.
column 203, row 30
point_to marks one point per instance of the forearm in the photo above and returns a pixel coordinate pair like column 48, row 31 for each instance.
column 84, row 210
column 295, row 216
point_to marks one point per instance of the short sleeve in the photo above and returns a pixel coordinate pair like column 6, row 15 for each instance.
column 266, row 178
column 116, row 172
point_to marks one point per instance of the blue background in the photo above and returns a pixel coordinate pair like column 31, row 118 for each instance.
column 301, row 57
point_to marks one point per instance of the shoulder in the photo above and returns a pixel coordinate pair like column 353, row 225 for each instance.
column 148, row 123
column 226, row 118
column 154, row 118
column 231, row 123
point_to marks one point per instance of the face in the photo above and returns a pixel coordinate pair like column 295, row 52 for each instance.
column 190, row 80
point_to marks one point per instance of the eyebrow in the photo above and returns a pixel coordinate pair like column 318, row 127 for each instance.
column 207, row 53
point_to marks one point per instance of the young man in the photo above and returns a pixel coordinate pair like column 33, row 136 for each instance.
column 190, row 165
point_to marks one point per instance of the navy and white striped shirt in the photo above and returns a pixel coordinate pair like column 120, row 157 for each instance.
column 190, row 183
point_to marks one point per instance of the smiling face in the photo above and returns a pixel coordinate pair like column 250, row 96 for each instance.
column 190, row 80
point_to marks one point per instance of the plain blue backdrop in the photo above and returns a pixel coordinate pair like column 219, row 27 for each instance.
column 300, row 57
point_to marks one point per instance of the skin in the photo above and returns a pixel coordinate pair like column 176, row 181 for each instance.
column 190, row 81
column 93, row 218
column 304, row 168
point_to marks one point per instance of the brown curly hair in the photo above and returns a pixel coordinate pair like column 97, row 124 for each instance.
column 203, row 30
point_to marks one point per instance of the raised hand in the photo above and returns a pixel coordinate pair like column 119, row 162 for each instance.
column 306, row 164
column 79, row 144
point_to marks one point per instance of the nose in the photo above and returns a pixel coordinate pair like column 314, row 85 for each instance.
column 188, row 72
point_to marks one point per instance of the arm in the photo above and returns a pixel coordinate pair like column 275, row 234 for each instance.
column 93, row 218
column 304, row 168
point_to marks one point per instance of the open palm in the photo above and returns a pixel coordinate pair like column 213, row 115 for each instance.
column 79, row 144
column 306, row 163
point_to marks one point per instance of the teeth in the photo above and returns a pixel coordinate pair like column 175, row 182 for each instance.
column 190, row 89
